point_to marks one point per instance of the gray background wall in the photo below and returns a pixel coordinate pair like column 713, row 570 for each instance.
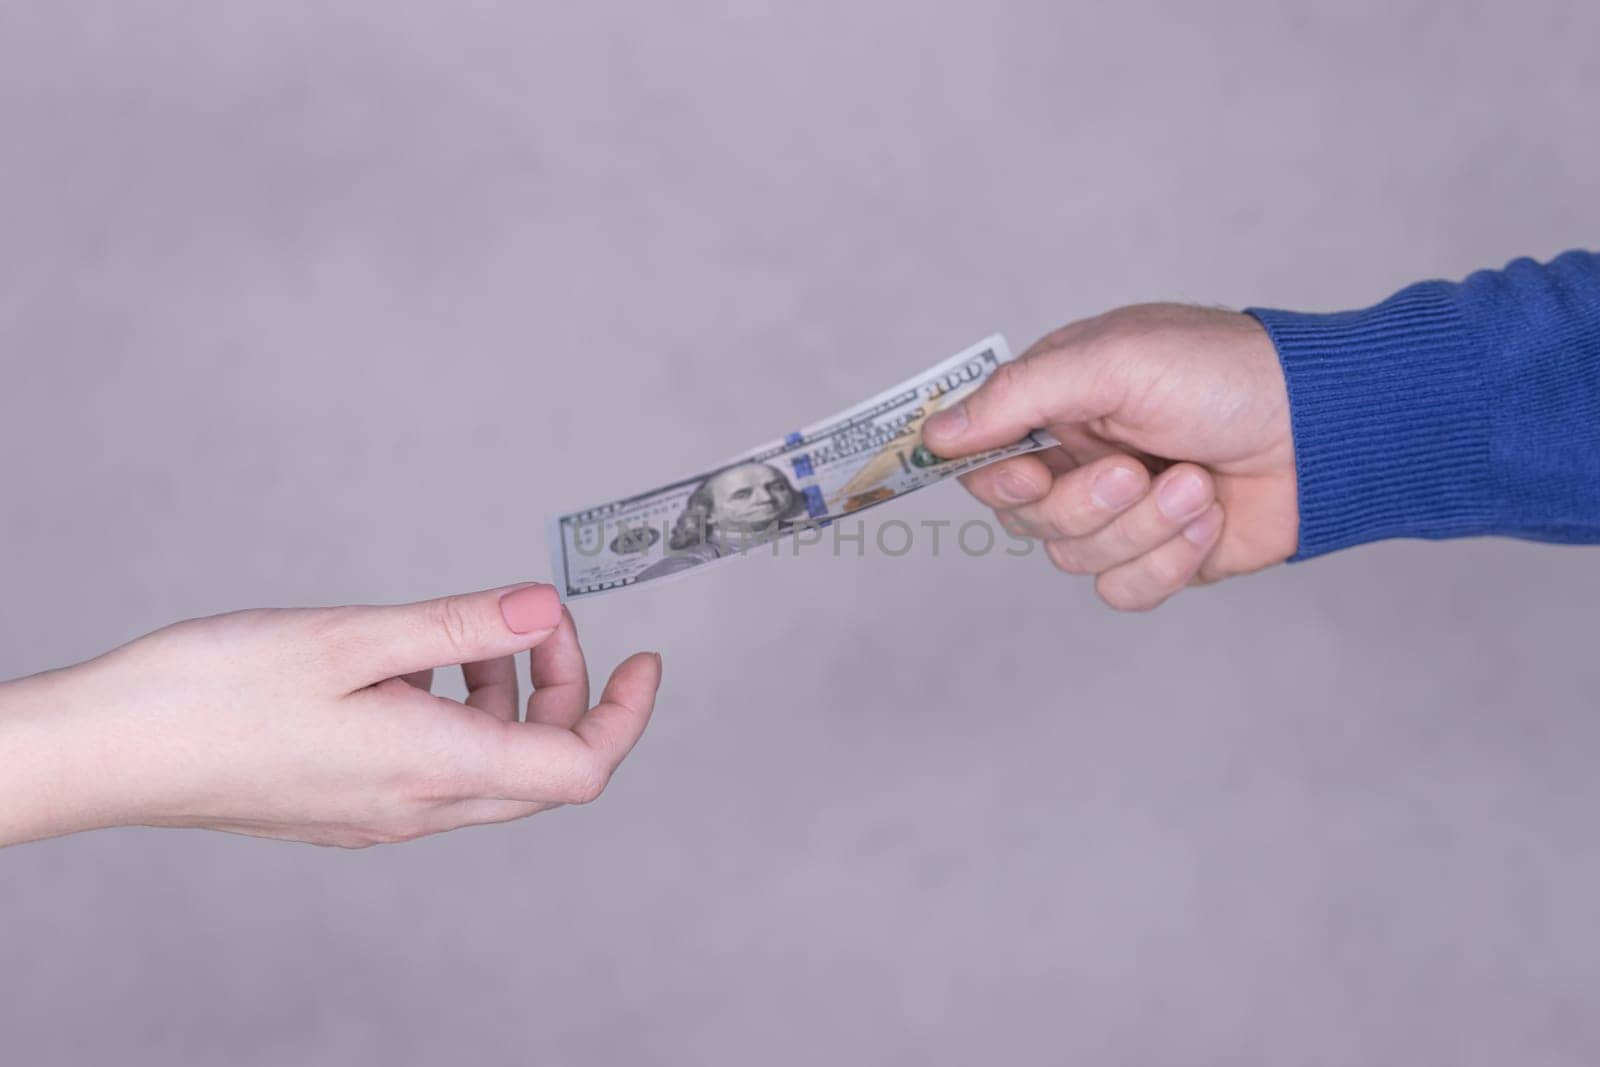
column 315, row 303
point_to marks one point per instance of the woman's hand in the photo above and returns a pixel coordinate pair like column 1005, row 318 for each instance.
column 317, row 725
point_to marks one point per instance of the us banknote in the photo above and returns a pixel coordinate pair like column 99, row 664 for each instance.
column 811, row 477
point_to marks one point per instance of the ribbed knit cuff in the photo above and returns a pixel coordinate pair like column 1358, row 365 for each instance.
column 1390, row 415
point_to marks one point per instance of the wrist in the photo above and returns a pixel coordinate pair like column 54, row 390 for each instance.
column 58, row 774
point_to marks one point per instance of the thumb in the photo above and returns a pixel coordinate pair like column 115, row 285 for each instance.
column 1043, row 388
column 387, row 642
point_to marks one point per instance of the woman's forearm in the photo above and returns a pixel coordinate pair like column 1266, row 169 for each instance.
column 56, row 777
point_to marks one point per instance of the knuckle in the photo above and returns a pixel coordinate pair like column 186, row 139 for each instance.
column 1065, row 558
column 1007, row 378
column 357, row 840
column 452, row 617
column 1165, row 572
column 1126, row 538
column 399, row 833
column 1071, row 517
column 590, row 781
column 1119, row 596
column 1131, row 321
column 1006, row 386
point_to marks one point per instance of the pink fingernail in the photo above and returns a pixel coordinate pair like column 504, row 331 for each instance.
column 533, row 607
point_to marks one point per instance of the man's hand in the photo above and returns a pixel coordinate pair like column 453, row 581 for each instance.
column 1176, row 463
column 317, row 725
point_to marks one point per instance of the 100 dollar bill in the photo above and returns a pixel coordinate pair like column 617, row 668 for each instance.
column 856, row 459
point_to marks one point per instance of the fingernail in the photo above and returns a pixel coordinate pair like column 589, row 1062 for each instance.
column 533, row 607
column 1116, row 488
column 1181, row 497
column 947, row 423
column 1013, row 488
column 659, row 663
column 1203, row 529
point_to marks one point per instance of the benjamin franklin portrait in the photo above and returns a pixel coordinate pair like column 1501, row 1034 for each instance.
column 732, row 509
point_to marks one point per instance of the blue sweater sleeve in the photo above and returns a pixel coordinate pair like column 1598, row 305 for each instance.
column 1450, row 409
